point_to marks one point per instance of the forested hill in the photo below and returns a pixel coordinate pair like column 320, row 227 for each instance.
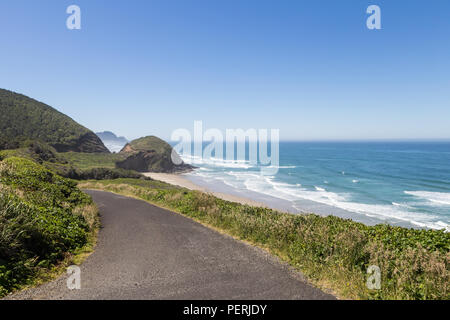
column 23, row 119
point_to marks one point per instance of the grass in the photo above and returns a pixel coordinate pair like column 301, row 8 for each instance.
column 332, row 252
column 151, row 143
column 46, row 222
column 86, row 161
column 77, row 257
column 73, row 165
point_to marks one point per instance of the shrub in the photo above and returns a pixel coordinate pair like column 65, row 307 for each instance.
column 43, row 217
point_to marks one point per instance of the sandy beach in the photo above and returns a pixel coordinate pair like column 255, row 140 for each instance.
column 266, row 201
column 181, row 181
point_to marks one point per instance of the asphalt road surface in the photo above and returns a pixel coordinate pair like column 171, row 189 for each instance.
column 145, row 252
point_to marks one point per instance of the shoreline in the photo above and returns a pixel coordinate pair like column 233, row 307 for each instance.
column 183, row 179
column 180, row 180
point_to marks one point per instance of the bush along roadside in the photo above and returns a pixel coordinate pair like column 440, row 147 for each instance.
column 332, row 252
column 44, row 220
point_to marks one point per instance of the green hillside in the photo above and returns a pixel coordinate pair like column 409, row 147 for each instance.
column 150, row 143
column 23, row 118
column 151, row 154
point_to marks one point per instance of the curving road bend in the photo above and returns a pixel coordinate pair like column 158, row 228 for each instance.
column 145, row 252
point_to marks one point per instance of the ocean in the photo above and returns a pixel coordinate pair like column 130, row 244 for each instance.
column 114, row 146
column 400, row 183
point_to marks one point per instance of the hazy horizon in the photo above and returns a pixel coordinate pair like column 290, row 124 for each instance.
column 412, row 140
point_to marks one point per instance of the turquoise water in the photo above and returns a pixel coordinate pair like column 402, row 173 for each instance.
column 384, row 181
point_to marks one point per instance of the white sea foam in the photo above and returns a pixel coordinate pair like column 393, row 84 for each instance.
column 268, row 185
column 283, row 167
column 215, row 162
column 355, row 181
column 443, row 225
column 113, row 147
column 379, row 211
column 437, row 198
column 226, row 163
column 403, row 205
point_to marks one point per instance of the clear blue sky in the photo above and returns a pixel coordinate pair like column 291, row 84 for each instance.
column 310, row 68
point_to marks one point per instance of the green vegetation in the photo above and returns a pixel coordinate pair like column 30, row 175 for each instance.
column 23, row 118
column 34, row 150
column 85, row 166
column 34, row 130
column 44, row 219
column 85, row 161
column 73, row 165
column 332, row 252
column 150, row 143
column 150, row 154
column 103, row 174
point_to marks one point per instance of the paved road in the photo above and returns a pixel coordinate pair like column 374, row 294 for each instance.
column 145, row 252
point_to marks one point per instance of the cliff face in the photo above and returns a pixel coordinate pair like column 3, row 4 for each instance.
column 23, row 119
column 151, row 154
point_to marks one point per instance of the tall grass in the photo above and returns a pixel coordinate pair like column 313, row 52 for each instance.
column 332, row 252
column 43, row 218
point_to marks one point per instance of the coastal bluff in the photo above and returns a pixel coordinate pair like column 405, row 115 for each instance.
column 151, row 154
